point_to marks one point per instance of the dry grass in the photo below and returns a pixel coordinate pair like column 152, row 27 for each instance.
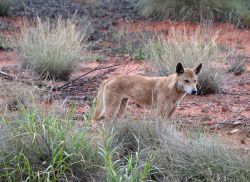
column 237, row 62
column 131, row 43
column 52, row 49
column 195, row 10
column 15, row 94
column 189, row 48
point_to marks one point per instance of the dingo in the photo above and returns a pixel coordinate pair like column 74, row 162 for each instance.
column 160, row 93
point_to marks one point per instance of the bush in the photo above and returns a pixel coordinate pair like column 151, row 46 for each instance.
column 4, row 7
column 52, row 50
column 172, row 157
column 196, row 10
column 189, row 48
column 14, row 94
column 132, row 43
column 4, row 43
column 237, row 65
column 44, row 147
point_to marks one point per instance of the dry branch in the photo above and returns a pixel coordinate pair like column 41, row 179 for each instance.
column 86, row 85
column 6, row 75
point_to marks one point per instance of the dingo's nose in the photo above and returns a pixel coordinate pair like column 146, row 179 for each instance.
column 194, row 92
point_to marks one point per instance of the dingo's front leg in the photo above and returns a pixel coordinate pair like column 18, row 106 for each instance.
column 173, row 110
column 164, row 109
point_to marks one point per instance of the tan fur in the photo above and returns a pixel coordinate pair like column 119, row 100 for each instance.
column 160, row 93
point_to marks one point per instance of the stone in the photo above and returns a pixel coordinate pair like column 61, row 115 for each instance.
column 225, row 108
column 236, row 123
column 234, row 131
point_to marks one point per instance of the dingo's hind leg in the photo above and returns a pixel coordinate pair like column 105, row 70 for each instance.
column 98, row 113
column 99, row 109
column 122, row 108
column 112, row 104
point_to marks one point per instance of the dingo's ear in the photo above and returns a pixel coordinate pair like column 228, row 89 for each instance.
column 179, row 69
column 198, row 69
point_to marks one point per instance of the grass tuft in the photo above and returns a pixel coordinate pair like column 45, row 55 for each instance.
column 173, row 157
column 15, row 94
column 189, row 48
column 237, row 65
column 132, row 43
column 52, row 49
column 235, row 11
column 44, row 147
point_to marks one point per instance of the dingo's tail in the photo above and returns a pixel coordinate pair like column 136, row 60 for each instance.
column 99, row 109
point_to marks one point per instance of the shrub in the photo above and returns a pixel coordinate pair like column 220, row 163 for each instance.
column 3, row 43
column 237, row 68
column 45, row 147
column 52, row 50
column 189, row 48
column 196, row 10
column 14, row 94
column 4, row 7
column 237, row 65
column 132, row 43
column 176, row 158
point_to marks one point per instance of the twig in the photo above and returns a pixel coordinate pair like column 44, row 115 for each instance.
column 100, row 67
column 5, row 74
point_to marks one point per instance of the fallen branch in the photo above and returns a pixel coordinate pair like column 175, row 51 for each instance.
column 86, row 85
column 6, row 75
column 98, row 68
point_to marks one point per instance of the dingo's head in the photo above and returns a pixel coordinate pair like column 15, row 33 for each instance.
column 187, row 78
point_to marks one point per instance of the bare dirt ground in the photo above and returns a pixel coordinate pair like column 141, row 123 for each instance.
column 226, row 114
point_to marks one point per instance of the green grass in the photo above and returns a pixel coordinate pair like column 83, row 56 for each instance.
column 234, row 11
column 172, row 156
column 131, row 167
column 43, row 146
column 191, row 49
column 52, row 49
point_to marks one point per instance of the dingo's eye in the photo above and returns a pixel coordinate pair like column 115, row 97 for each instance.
column 195, row 81
column 187, row 81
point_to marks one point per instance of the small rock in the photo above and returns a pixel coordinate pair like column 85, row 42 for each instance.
column 243, row 140
column 234, row 131
column 181, row 108
column 240, row 118
column 225, row 108
column 236, row 123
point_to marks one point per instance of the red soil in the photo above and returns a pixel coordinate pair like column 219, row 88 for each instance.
column 7, row 58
